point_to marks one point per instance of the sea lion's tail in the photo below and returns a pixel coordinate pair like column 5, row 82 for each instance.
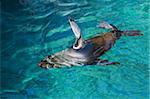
column 131, row 33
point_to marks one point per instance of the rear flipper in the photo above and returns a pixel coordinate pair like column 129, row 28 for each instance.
column 106, row 25
column 131, row 33
column 105, row 62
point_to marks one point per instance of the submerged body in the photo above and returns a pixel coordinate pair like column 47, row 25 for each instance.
column 86, row 52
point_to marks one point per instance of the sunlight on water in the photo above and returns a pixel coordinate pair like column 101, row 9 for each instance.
column 33, row 29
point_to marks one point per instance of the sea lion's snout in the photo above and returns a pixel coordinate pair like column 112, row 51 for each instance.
column 40, row 64
column 48, row 62
column 43, row 64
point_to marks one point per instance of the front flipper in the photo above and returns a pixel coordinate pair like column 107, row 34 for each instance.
column 77, row 32
column 105, row 62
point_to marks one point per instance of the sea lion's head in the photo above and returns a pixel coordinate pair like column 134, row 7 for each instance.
column 48, row 62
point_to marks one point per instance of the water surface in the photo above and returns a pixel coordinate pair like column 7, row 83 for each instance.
column 32, row 29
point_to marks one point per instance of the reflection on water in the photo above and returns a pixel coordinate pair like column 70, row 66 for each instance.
column 32, row 29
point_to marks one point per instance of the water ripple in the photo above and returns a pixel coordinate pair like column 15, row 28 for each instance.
column 38, row 27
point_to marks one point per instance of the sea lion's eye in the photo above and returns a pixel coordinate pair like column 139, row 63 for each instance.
column 49, row 56
column 44, row 61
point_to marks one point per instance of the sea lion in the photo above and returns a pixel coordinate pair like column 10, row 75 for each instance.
column 87, row 52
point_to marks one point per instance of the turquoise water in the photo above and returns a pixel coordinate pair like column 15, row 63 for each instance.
column 32, row 29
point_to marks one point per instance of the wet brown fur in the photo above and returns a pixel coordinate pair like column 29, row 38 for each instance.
column 101, row 44
column 106, row 41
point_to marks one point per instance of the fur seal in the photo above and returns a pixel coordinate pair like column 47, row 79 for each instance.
column 87, row 52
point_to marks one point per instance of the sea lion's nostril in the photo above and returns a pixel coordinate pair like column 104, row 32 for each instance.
column 40, row 64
